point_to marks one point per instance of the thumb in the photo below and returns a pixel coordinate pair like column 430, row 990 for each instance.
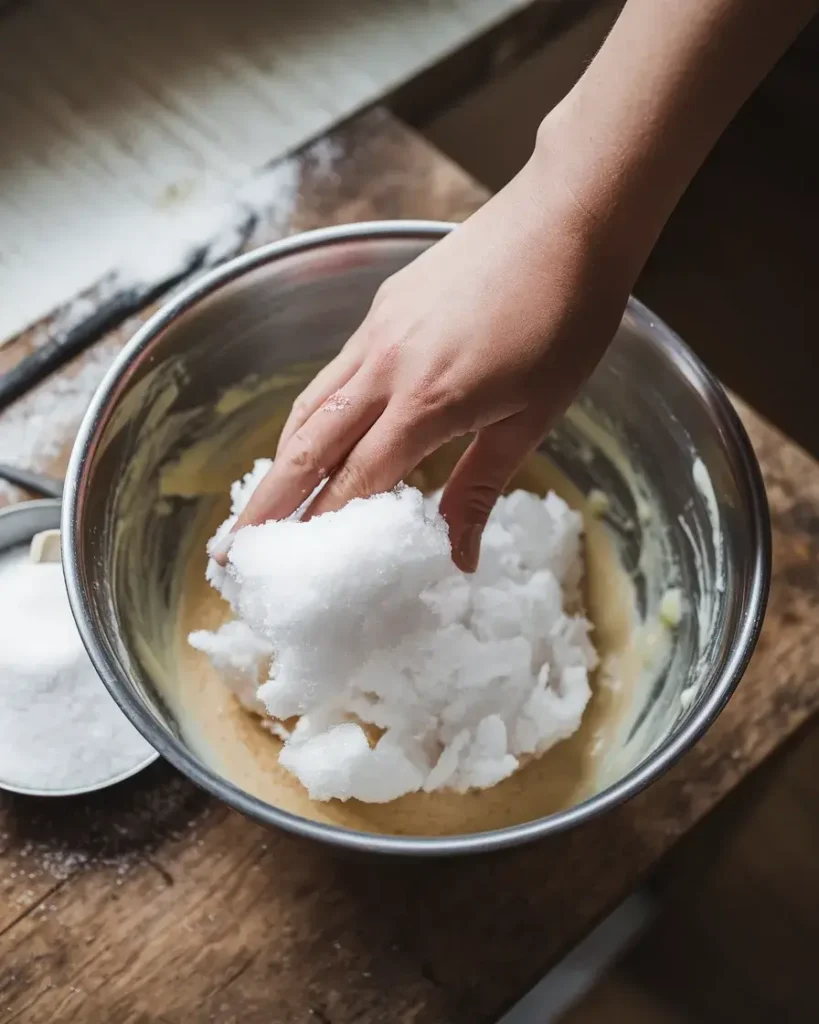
column 478, row 480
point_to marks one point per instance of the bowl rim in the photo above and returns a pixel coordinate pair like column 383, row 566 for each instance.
column 172, row 747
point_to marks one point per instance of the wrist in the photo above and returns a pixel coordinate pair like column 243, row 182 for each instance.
column 620, row 202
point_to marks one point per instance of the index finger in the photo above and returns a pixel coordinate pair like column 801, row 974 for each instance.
column 314, row 451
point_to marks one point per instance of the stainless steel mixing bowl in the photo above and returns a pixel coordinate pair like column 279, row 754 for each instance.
column 689, row 489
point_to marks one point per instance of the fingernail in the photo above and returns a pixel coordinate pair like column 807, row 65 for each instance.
column 218, row 550
column 223, row 545
column 470, row 548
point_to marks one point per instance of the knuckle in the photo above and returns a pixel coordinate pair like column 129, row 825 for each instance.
column 383, row 292
column 436, row 397
column 301, row 406
column 384, row 358
column 352, row 480
column 478, row 502
column 356, row 346
column 301, row 459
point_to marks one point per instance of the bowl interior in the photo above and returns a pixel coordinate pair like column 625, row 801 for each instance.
column 202, row 390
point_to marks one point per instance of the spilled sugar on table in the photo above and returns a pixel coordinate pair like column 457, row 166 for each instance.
column 153, row 902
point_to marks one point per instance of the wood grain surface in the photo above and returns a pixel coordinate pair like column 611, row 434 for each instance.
column 117, row 115
column 154, row 903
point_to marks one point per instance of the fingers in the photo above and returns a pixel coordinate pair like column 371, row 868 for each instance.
column 314, row 450
column 380, row 460
column 478, row 480
column 327, row 381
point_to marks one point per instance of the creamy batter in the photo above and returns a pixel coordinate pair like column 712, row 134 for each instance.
column 634, row 648
column 237, row 744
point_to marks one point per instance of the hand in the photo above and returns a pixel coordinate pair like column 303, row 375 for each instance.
column 495, row 328
column 492, row 331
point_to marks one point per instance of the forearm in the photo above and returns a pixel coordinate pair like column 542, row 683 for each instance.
column 631, row 134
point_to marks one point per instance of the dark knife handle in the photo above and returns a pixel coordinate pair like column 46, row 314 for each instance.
column 59, row 350
column 37, row 483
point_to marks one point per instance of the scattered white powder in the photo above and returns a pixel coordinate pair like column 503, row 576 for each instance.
column 208, row 219
column 138, row 245
column 205, row 219
column 359, row 618
column 59, row 728
column 336, row 403
column 34, row 430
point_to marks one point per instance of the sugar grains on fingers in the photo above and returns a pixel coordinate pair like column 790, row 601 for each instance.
column 312, row 453
column 330, row 378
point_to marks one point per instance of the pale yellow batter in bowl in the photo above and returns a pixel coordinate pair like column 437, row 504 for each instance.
column 236, row 743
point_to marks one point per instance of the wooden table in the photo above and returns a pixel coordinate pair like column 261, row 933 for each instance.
column 155, row 903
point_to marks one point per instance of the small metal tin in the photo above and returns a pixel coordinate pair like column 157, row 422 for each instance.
column 18, row 524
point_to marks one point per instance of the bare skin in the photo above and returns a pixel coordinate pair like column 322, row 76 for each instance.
column 495, row 328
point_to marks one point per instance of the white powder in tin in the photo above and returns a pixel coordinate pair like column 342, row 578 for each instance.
column 359, row 618
column 59, row 728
